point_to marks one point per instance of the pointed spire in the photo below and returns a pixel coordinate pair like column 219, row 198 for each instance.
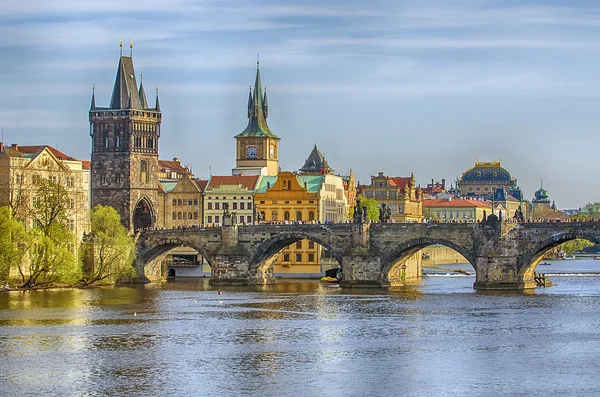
column 121, row 46
column 265, row 104
column 93, row 105
column 257, row 123
column 125, row 85
column 142, row 92
column 250, row 101
column 157, row 107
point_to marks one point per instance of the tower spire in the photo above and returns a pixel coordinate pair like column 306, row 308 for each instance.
column 130, row 48
column 121, row 46
column 93, row 105
column 265, row 104
column 249, row 101
column 157, row 107
column 142, row 92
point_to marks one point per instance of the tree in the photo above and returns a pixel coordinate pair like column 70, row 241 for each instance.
column 13, row 242
column 50, row 254
column 543, row 212
column 574, row 245
column 372, row 208
column 109, row 251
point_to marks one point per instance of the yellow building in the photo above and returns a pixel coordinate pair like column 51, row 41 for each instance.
column 400, row 195
column 456, row 210
column 292, row 198
column 232, row 192
column 179, row 203
column 23, row 167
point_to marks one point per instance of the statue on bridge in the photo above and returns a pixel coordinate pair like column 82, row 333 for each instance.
column 385, row 213
column 358, row 212
column 519, row 216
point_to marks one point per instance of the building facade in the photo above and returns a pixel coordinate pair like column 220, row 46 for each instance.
column 400, row 194
column 456, row 210
column 23, row 167
column 124, row 158
column 483, row 180
column 257, row 148
column 234, row 193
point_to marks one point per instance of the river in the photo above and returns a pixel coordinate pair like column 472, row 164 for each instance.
column 438, row 337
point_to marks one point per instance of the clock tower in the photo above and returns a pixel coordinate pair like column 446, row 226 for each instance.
column 257, row 148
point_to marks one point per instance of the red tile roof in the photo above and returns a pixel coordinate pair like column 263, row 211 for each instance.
column 400, row 182
column 454, row 203
column 172, row 166
column 38, row 148
column 86, row 164
column 201, row 183
column 249, row 182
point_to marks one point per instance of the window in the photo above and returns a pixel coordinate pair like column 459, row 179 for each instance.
column 299, row 244
column 273, row 215
column 216, row 206
column 71, row 204
column 195, row 202
column 311, row 244
column 195, row 215
column 71, row 224
column 209, row 219
column 298, row 257
column 311, row 257
column 209, row 206
column 118, row 142
column 216, row 218
column 241, row 218
column 286, row 216
column 235, row 206
column 311, row 216
column 54, row 179
column 174, row 201
column 185, row 215
column 103, row 179
column 298, row 215
column 179, row 202
column 174, row 215
column 190, row 202
column 298, row 202
column 286, row 257
column 249, row 219
column 179, row 215
column 118, row 179
column 144, row 175
column 184, row 202
column 249, row 206
column 241, row 206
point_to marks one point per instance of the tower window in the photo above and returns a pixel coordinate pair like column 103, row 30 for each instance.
column 118, row 142
column 144, row 176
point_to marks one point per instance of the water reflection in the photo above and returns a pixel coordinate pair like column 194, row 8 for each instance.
column 437, row 337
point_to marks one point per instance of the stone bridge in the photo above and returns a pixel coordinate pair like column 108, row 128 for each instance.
column 504, row 255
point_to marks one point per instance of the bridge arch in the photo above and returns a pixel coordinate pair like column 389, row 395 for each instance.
column 528, row 260
column 155, row 250
column 265, row 253
column 403, row 251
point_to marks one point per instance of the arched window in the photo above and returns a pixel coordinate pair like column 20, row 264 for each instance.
column 285, row 185
column 311, row 216
column 273, row 215
column 144, row 171
column 298, row 215
column 286, row 216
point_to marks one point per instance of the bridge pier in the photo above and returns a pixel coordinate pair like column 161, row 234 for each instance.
column 500, row 273
column 361, row 269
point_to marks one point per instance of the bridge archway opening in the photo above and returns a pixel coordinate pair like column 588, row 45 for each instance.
column 559, row 246
column 409, row 262
column 176, row 259
column 298, row 256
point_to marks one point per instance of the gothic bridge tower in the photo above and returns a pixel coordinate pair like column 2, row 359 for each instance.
column 257, row 148
column 125, row 135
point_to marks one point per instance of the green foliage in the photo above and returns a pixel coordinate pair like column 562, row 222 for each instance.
column 109, row 252
column 372, row 208
column 49, row 257
column 574, row 245
column 13, row 242
column 588, row 211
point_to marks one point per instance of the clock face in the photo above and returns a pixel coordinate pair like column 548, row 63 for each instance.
column 251, row 152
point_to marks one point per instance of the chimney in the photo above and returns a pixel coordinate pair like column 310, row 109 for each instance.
column 15, row 146
column 443, row 183
column 1, row 146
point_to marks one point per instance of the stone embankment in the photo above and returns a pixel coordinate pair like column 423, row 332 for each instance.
column 436, row 255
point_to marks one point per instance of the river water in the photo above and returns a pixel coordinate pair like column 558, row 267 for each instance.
column 438, row 337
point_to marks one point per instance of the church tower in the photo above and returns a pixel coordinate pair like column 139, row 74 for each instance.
column 124, row 166
column 257, row 148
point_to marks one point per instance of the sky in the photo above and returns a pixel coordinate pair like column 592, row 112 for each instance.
column 396, row 86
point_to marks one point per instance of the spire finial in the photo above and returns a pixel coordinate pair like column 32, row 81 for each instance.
column 121, row 46
column 130, row 48
column 142, row 76
column 258, row 60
